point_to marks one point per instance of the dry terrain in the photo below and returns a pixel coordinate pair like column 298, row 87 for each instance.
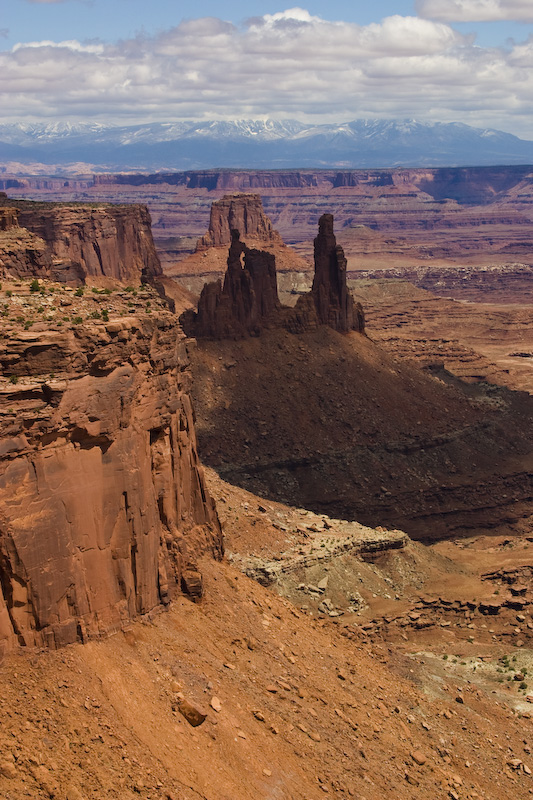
column 327, row 654
column 385, row 218
column 415, row 696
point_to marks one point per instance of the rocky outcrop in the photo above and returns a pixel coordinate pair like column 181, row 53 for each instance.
column 246, row 301
column 241, row 212
column 8, row 217
column 103, row 506
column 362, row 542
column 22, row 254
column 333, row 302
column 88, row 242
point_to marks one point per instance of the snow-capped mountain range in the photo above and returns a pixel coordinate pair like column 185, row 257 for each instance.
column 265, row 144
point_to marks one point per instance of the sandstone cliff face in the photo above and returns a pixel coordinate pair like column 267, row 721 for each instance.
column 242, row 212
column 333, row 302
column 8, row 217
column 103, row 506
column 89, row 242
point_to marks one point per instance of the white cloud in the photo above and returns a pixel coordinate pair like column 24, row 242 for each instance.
column 290, row 64
column 291, row 14
column 70, row 44
column 476, row 10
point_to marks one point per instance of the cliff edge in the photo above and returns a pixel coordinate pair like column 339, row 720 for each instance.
column 77, row 242
column 103, row 506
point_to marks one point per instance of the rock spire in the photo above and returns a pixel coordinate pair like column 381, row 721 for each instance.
column 333, row 302
column 247, row 299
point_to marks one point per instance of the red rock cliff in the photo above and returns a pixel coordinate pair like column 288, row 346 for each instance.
column 8, row 217
column 89, row 242
column 242, row 212
column 103, row 506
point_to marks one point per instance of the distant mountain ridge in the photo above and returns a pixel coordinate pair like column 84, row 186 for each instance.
column 261, row 144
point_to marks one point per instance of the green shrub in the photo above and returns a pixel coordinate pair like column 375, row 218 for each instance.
column 77, row 320
column 13, row 379
column 79, row 291
column 35, row 286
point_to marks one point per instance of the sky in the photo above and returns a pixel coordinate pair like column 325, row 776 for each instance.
column 134, row 61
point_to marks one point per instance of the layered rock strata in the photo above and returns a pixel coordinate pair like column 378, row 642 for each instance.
column 364, row 543
column 8, row 216
column 103, row 506
column 85, row 242
column 242, row 212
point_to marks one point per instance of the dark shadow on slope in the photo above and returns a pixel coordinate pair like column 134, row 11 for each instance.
column 330, row 422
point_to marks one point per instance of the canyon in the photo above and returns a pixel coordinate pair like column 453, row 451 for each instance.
column 384, row 217
column 331, row 605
